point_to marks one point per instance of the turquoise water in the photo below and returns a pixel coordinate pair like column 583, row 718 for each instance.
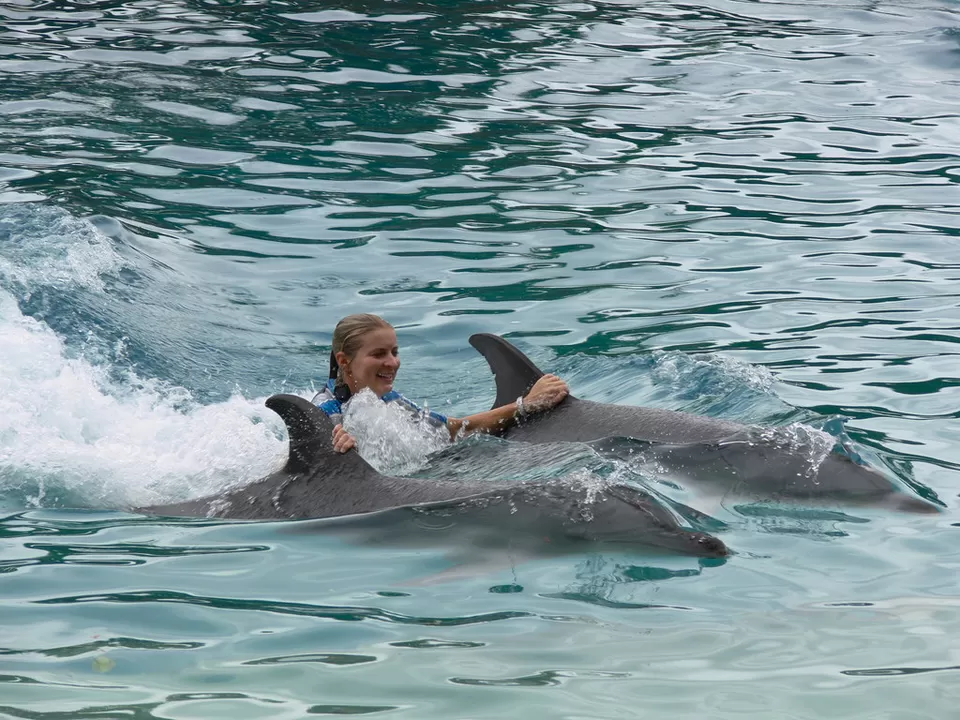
column 746, row 210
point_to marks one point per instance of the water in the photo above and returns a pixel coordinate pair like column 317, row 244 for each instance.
column 740, row 209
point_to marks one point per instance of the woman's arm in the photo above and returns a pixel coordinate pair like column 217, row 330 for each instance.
column 546, row 393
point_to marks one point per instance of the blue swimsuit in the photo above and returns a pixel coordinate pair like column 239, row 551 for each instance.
column 327, row 401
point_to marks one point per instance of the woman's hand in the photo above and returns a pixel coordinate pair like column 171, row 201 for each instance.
column 342, row 440
column 546, row 393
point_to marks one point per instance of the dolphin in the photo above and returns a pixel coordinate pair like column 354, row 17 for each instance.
column 718, row 455
column 318, row 482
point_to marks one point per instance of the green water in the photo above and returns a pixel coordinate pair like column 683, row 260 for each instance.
column 746, row 210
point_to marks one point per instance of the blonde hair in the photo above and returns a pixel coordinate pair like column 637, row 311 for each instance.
column 348, row 337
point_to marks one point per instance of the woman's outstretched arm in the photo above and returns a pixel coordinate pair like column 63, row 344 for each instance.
column 546, row 393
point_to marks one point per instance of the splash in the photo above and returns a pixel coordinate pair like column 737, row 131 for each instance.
column 69, row 435
column 390, row 438
column 713, row 373
column 811, row 445
column 590, row 486
column 78, row 428
column 47, row 247
column 494, row 459
column 703, row 384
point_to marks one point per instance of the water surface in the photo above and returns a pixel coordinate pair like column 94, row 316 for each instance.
column 741, row 209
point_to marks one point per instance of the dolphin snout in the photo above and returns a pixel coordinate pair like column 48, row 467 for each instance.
column 709, row 546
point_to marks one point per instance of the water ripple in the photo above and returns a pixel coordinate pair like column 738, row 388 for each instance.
column 740, row 209
column 297, row 609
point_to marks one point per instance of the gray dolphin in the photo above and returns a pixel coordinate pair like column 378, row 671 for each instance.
column 318, row 482
column 719, row 455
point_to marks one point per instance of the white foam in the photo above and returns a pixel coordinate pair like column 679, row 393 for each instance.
column 71, row 432
column 389, row 437
column 729, row 373
column 68, row 431
column 45, row 246
column 811, row 444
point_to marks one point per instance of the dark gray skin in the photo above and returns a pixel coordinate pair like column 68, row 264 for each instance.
column 717, row 455
column 318, row 482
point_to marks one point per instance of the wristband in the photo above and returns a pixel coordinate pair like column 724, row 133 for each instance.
column 521, row 410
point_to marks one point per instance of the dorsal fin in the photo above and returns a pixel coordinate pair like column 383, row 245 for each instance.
column 311, row 437
column 515, row 373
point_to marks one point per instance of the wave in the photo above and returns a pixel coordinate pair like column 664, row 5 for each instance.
column 78, row 426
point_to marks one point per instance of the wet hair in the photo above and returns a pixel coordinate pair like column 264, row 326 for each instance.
column 348, row 338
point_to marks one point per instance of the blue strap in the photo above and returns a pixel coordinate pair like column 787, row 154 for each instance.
column 332, row 406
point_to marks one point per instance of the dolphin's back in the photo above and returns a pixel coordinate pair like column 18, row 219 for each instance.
column 576, row 420
column 698, row 448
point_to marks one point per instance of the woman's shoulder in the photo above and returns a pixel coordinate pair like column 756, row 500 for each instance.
column 327, row 401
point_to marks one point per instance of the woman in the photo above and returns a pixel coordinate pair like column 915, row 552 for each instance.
column 365, row 355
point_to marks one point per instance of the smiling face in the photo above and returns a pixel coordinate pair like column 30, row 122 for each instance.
column 375, row 364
